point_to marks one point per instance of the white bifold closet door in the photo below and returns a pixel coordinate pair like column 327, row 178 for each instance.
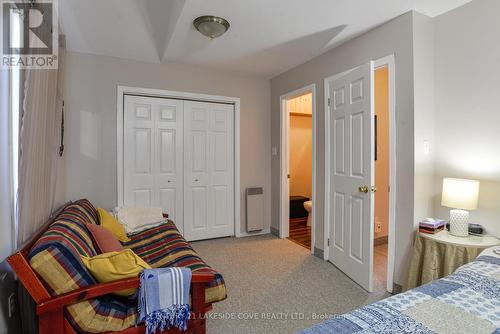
column 153, row 155
column 208, row 170
column 179, row 155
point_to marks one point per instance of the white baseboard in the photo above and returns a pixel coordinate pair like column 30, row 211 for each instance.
column 245, row 234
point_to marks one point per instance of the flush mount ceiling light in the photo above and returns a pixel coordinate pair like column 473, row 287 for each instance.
column 211, row 26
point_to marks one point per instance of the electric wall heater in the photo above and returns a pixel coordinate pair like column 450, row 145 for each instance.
column 255, row 209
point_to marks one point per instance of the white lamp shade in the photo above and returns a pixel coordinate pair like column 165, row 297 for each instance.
column 460, row 193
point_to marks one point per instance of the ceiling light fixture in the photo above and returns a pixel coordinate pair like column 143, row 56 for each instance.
column 211, row 26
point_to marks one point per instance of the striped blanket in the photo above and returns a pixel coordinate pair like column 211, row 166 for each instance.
column 163, row 246
column 467, row 301
column 55, row 257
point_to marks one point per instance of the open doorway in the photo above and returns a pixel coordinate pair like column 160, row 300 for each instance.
column 297, row 176
column 300, row 169
column 382, row 176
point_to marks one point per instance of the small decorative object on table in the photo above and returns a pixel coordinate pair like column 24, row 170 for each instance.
column 460, row 195
column 431, row 225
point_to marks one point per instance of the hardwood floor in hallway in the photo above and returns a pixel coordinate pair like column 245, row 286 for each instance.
column 300, row 233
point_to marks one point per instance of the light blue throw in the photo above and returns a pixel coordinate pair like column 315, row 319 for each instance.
column 164, row 298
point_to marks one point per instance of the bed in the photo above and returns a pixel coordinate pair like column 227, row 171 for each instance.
column 467, row 301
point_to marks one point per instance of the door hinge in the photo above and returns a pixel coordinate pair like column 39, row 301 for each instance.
column 328, row 101
column 389, row 188
column 328, row 242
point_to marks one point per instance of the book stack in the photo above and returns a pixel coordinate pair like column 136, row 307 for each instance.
column 431, row 226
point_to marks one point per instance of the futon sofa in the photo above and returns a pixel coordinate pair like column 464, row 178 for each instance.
column 68, row 297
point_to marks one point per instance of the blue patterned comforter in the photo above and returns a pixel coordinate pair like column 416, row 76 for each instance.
column 467, row 301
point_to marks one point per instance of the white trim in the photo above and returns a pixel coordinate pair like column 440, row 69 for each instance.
column 284, row 157
column 314, row 120
column 121, row 91
column 246, row 234
column 390, row 62
column 124, row 90
column 237, row 169
column 391, row 251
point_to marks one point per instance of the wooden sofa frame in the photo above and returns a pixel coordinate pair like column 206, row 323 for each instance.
column 50, row 309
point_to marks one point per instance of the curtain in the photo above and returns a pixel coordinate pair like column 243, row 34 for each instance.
column 39, row 146
column 6, row 206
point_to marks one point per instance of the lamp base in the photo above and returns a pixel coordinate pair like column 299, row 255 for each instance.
column 459, row 223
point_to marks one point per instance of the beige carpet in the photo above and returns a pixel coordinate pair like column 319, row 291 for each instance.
column 276, row 286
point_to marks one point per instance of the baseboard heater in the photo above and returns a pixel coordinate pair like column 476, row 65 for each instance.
column 255, row 209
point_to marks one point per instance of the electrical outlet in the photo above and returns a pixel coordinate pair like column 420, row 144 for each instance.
column 378, row 227
column 12, row 304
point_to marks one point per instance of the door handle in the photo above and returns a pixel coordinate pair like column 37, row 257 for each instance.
column 363, row 189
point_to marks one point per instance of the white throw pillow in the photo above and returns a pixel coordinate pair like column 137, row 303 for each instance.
column 136, row 218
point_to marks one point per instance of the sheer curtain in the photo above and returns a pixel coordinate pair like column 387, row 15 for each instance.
column 39, row 146
column 6, row 246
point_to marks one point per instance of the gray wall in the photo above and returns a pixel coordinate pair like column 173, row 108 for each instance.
column 90, row 96
column 423, row 65
column 467, row 104
column 394, row 37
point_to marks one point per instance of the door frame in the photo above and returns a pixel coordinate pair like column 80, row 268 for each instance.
column 169, row 94
column 388, row 61
column 284, row 161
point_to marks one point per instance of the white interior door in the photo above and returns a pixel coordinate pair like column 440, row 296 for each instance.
column 153, row 154
column 208, row 170
column 352, row 174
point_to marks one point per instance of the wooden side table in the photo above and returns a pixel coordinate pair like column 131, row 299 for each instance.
column 438, row 255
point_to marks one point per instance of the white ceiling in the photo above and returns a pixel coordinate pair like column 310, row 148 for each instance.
column 266, row 37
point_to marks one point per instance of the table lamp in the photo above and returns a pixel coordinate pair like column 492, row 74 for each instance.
column 460, row 195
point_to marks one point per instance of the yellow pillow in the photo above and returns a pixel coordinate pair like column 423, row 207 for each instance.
column 110, row 223
column 113, row 266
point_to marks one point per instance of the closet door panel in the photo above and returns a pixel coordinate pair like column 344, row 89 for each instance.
column 139, row 152
column 167, row 151
column 153, row 158
column 195, row 169
column 169, row 201
column 208, row 156
column 169, row 158
column 199, row 208
column 220, row 195
column 142, row 197
column 222, row 168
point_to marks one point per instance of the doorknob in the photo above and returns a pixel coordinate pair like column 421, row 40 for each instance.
column 363, row 189
column 374, row 189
